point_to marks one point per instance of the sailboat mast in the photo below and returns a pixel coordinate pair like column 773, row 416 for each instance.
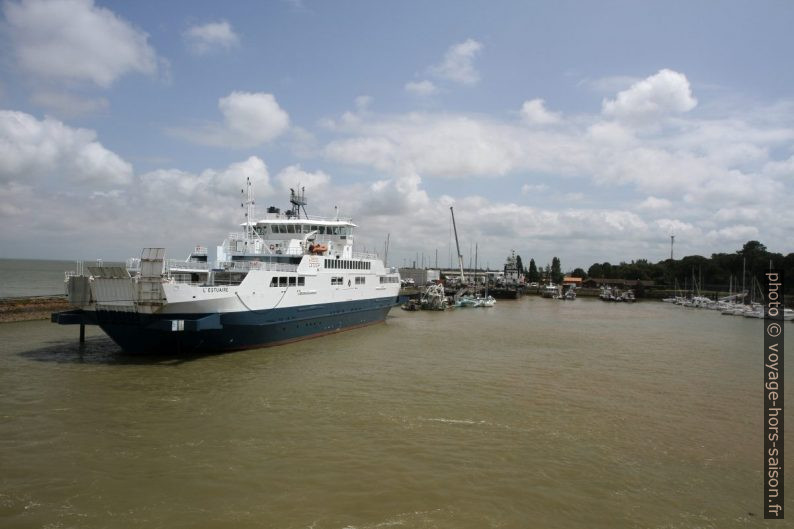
column 476, row 248
column 744, row 295
column 457, row 246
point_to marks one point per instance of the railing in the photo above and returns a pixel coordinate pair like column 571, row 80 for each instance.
column 176, row 266
column 134, row 265
column 230, row 247
column 329, row 219
column 245, row 266
column 364, row 255
column 294, row 252
column 173, row 264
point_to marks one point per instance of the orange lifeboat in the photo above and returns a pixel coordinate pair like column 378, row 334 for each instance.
column 318, row 249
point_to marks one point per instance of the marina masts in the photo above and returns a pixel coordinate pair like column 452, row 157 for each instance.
column 476, row 248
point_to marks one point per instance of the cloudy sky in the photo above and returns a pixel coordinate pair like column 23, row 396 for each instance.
column 586, row 130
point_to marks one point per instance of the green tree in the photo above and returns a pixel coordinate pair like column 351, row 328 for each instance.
column 519, row 265
column 533, row 274
column 715, row 272
column 578, row 272
column 595, row 270
column 556, row 270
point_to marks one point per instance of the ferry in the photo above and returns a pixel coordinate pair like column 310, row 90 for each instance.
column 285, row 277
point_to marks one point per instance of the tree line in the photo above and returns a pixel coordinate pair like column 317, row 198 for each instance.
column 710, row 273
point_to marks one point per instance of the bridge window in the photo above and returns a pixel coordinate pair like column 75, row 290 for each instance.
column 292, row 281
column 301, row 281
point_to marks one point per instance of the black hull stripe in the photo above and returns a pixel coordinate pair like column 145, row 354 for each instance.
column 144, row 333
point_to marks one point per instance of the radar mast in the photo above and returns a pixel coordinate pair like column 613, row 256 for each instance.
column 298, row 201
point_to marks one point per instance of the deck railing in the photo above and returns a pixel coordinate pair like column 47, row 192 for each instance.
column 245, row 266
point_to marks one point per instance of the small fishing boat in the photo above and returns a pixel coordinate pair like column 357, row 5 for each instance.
column 487, row 301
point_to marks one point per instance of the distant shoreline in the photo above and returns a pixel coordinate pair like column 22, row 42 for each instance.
column 31, row 307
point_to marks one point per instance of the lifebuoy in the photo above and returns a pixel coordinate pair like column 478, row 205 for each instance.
column 272, row 246
column 348, row 282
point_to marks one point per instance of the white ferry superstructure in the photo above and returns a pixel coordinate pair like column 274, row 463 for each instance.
column 285, row 277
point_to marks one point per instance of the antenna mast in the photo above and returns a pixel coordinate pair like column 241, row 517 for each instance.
column 249, row 208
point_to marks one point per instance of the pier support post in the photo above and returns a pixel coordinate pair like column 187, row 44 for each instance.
column 82, row 332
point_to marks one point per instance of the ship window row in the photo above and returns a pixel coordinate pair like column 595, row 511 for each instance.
column 287, row 281
column 387, row 279
column 347, row 264
column 337, row 280
column 360, row 280
column 303, row 228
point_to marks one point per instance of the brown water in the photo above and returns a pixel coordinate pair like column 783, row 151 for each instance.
column 535, row 413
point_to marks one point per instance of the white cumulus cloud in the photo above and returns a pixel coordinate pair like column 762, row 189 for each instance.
column 249, row 119
column 294, row 177
column 666, row 92
column 205, row 38
column 31, row 148
column 534, row 112
column 734, row 234
column 458, row 63
column 198, row 189
column 75, row 40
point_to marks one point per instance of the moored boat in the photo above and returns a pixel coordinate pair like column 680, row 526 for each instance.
column 285, row 277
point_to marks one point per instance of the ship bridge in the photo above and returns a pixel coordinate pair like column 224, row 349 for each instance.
column 289, row 234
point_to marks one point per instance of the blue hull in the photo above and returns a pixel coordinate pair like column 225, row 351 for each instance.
column 210, row 333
